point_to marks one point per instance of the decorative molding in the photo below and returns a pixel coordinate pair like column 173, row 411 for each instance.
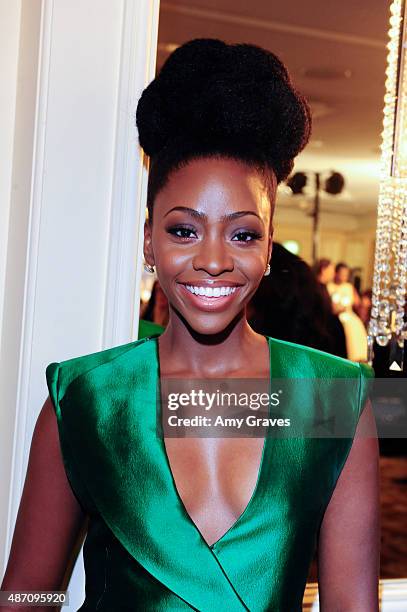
column 392, row 596
column 10, row 24
column 19, row 454
column 273, row 26
column 129, row 187
column 151, row 57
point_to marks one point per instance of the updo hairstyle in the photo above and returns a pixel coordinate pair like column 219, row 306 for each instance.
column 213, row 99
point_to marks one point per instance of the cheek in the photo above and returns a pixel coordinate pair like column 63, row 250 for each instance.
column 166, row 253
column 171, row 259
column 252, row 263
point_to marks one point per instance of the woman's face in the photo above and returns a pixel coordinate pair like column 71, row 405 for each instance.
column 210, row 240
column 342, row 275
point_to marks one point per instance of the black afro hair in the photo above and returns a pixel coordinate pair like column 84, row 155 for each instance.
column 214, row 98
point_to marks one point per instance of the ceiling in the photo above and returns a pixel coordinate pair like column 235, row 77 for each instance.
column 336, row 55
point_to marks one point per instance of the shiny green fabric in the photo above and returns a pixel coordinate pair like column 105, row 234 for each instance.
column 142, row 551
column 148, row 328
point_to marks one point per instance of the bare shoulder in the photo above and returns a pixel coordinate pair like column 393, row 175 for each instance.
column 49, row 519
column 45, row 459
column 46, row 429
column 349, row 539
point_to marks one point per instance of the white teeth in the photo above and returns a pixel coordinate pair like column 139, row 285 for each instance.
column 211, row 292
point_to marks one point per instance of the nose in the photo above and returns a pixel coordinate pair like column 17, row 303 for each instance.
column 213, row 256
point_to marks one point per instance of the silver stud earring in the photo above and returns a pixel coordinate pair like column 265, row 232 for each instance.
column 149, row 268
column 268, row 270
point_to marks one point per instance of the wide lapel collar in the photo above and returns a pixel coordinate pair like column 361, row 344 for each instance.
column 110, row 416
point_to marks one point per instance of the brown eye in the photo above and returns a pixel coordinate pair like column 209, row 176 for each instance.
column 244, row 236
column 181, row 231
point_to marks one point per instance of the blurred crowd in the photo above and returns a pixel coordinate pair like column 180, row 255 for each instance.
column 320, row 307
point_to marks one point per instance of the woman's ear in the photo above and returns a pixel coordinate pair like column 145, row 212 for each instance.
column 148, row 243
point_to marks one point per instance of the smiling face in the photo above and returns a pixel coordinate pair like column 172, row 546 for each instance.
column 210, row 240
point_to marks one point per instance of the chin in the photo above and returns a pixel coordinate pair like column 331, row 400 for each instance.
column 210, row 324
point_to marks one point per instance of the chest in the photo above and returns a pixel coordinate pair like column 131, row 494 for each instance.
column 215, row 479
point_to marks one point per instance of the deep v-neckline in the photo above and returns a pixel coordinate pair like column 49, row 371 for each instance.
column 174, row 489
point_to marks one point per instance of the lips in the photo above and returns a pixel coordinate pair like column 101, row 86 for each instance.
column 210, row 296
column 210, row 283
column 212, row 292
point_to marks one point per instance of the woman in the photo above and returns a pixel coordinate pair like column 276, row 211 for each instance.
column 365, row 307
column 344, row 298
column 218, row 523
column 324, row 271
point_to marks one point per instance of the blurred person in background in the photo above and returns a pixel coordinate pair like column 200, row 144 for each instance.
column 343, row 293
column 324, row 271
column 344, row 298
column 365, row 306
column 154, row 314
column 156, row 309
column 290, row 305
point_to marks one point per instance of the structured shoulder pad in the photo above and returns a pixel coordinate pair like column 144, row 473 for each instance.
column 60, row 375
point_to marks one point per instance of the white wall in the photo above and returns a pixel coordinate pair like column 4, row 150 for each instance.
column 9, row 44
column 20, row 27
column 73, row 261
column 10, row 15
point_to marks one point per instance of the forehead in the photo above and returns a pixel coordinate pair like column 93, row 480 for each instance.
column 214, row 185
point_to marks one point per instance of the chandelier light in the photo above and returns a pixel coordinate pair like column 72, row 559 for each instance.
column 387, row 323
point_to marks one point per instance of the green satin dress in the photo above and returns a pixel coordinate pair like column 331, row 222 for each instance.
column 142, row 551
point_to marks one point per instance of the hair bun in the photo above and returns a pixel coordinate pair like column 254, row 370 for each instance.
column 237, row 98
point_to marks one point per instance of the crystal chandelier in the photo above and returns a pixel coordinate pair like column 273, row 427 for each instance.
column 387, row 326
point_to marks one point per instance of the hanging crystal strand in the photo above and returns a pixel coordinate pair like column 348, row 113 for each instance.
column 389, row 281
column 400, row 279
column 398, row 287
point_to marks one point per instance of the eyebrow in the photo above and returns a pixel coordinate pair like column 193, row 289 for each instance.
column 197, row 214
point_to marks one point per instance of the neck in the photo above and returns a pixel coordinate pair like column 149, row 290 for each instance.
column 184, row 350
